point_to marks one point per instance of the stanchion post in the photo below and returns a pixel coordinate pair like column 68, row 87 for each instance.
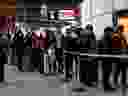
column 99, row 74
column 78, row 68
column 74, row 71
column 64, row 67
column 45, row 63
column 42, row 63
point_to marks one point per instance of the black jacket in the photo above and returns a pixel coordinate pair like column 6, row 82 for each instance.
column 105, row 44
column 19, row 43
column 71, row 43
column 28, row 40
column 19, row 39
column 87, row 42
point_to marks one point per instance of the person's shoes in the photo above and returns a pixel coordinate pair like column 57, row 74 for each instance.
column 44, row 74
column 60, row 71
column 41, row 72
column 89, row 84
column 79, row 89
column 109, row 89
column 3, row 84
column 20, row 68
column 126, row 85
column 66, row 80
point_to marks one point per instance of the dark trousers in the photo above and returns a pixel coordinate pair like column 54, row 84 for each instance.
column 19, row 53
column 107, row 70
column 68, row 65
column 60, row 63
column 36, row 61
column 59, row 58
column 1, row 72
column 88, row 70
column 120, row 67
column 41, row 65
column 92, row 75
column 20, row 65
column 83, row 70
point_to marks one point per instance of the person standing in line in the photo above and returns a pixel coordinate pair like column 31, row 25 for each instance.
column 51, row 49
column 92, row 61
column 28, row 52
column 87, row 45
column 68, row 58
column 1, row 67
column 71, row 44
column 119, row 41
column 36, row 59
column 59, row 50
column 3, row 59
column 120, row 45
column 43, row 46
column 105, row 46
column 19, row 45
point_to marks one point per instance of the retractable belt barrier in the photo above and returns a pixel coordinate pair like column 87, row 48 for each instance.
column 76, row 66
column 97, row 55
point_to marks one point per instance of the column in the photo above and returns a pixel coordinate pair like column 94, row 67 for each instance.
column 84, row 12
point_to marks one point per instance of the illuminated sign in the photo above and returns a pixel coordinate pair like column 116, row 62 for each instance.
column 69, row 13
column 66, row 14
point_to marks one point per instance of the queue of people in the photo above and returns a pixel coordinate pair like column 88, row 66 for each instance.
column 77, row 40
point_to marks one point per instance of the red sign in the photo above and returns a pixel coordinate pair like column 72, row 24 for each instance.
column 72, row 12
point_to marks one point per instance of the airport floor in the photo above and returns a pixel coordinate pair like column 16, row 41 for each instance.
column 34, row 84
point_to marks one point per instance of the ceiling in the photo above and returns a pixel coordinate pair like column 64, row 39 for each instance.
column 34, row 3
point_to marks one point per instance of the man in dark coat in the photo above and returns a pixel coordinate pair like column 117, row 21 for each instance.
column 2, row 56
column 104, row 46
column 27, row 52
column 19, row 45
column 71, row 44
column 68, row 57
column 4, row 43
column 88, row 46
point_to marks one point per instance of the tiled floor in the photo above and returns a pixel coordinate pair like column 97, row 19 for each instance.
column 33, row 84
